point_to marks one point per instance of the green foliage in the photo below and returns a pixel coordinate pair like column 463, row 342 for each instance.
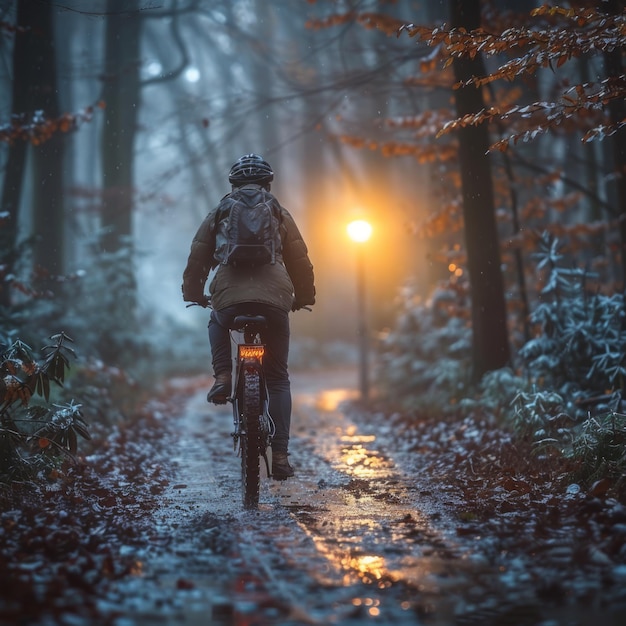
column 496, row 393
column 576, row 365
column 36, row 437
column 579, row 350
column 600, row 449
column 96, row 305
column 100, row 308
column 568, row 393
column 540, row 416
column 425, row 360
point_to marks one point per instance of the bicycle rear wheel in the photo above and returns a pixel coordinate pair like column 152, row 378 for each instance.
column 250, row 439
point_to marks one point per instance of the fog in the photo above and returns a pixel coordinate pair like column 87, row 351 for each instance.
column 222, row 79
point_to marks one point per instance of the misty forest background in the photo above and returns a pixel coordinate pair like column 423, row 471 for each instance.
column 484, row 141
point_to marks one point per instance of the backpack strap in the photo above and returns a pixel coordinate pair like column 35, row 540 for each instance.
column 220, row 212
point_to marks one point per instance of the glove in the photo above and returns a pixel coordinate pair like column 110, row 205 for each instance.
column 300, row 304
column 200, row 300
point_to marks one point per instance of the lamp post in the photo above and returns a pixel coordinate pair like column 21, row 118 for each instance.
column 360, row 231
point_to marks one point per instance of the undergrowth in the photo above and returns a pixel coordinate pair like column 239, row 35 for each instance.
column 36, row 435
column 44, row 406
column 567, row 387
column 425, row 360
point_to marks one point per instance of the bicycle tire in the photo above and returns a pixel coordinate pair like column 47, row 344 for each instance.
column 251, row 437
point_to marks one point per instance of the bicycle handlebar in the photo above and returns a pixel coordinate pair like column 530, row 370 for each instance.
column 208, row 306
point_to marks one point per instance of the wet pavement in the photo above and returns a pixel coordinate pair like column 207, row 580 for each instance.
column 360, row 535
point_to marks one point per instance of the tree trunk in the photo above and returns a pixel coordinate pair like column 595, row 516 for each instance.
column 121, row 95
column 21, row 104
column 16, row 160
column 614, row 68
column 48, row 196
column 490, row 349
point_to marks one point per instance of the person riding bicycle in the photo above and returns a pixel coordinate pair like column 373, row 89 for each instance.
column 271, row 289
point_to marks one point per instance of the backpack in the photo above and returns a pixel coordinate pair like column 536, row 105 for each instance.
column 247, row 233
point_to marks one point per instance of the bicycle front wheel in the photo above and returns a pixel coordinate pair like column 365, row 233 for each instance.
column 251, row 437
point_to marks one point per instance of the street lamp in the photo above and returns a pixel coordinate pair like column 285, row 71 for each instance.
column 360, row 231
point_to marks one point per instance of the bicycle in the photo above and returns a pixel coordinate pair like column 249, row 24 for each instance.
column 253, row 425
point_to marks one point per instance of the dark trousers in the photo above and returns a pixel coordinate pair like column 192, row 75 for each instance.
column 276, row 340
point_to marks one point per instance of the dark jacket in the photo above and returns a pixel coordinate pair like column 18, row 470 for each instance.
column 287, row 282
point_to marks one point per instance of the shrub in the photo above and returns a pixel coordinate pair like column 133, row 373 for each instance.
column 425, row 360
column 35, row 437
column 600, row 449
column 580, row 347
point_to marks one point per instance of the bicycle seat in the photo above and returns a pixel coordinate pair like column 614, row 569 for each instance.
column 252, row 321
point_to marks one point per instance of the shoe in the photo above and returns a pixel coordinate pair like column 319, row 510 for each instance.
column 281, row 469
column 220, row 392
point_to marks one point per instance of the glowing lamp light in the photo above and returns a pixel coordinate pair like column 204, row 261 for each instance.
column 359, row 231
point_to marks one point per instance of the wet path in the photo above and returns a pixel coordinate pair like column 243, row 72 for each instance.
column 344, row 540
column 357, row 537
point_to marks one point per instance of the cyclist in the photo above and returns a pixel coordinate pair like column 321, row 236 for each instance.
column 273, row 289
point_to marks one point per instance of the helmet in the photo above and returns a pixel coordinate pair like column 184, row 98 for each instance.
column 251, row 168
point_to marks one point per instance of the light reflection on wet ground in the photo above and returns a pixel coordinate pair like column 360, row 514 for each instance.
column 341, row 542
column 369, row 528
column 350, row 540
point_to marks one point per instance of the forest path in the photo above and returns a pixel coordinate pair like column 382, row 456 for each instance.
column 357, row 536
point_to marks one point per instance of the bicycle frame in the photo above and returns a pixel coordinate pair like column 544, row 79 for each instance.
column 253, row 425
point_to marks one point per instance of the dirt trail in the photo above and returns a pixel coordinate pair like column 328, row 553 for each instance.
column 343, row 540
column 355, row 537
